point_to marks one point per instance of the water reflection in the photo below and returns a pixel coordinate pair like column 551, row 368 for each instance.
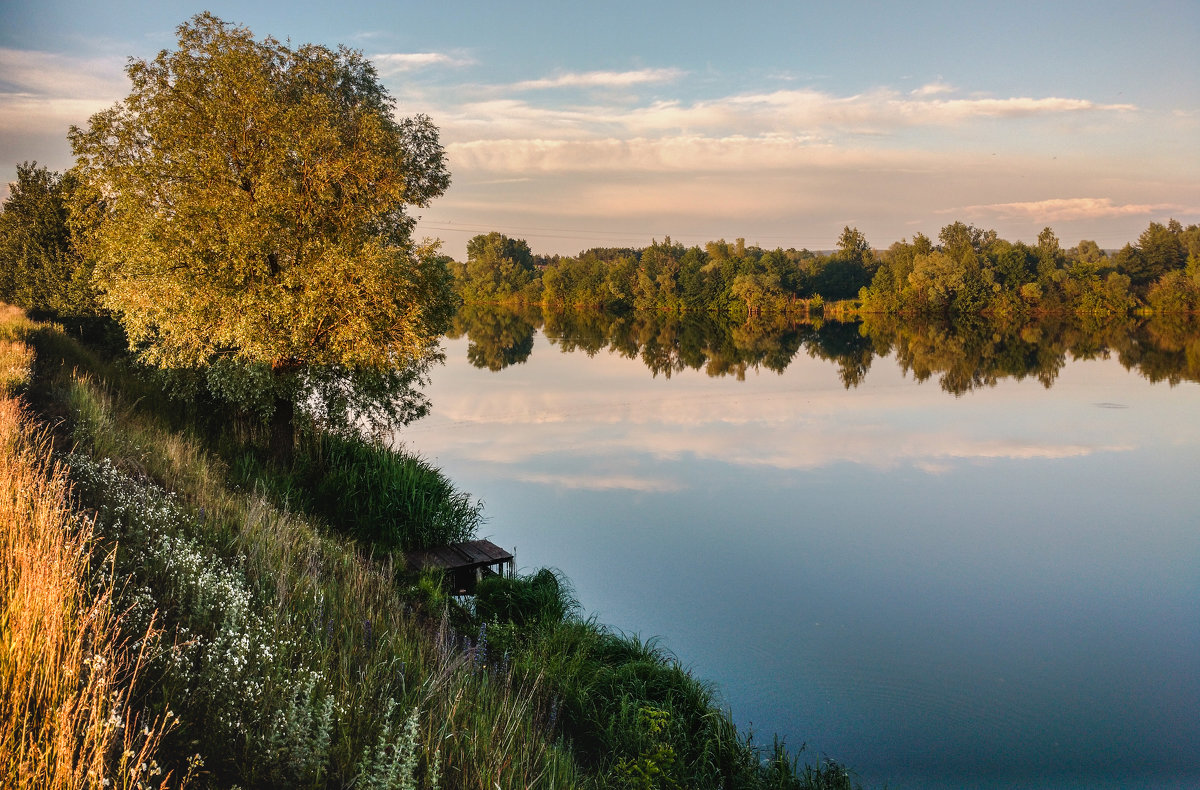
column 962, row 356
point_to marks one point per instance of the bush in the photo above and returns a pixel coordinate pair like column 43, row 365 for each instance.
column 544, row 597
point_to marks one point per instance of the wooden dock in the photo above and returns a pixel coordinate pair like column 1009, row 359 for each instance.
column 464, row 563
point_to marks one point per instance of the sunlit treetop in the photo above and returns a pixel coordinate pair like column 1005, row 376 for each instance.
column 253, row 205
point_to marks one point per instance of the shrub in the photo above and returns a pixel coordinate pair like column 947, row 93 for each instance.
column 543, row 597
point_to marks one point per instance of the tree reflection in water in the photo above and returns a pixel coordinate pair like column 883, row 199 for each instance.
column 964, row 355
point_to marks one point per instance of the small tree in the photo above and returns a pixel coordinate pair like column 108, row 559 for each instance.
column 498, row 268
column 252, row 224
column 853, row 247
column 39, row 268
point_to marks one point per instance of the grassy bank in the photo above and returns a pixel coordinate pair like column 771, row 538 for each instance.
column 68, row 656
column 267, row 610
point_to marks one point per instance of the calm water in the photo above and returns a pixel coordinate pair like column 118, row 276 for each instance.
column 997, row 588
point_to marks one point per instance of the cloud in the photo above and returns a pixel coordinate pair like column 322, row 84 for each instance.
column 599, row 482
column 669, row 154
column 792, row 113
column 932, row 89
column 950, row 110
column 44, row 93
column 881, row 110
column 391, row 63
column 600, row 79
column 33, row 73
column 1064, row 209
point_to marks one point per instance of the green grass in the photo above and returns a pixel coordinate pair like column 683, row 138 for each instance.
column 386, row 498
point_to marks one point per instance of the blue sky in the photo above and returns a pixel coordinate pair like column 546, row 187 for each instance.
column 577, row 125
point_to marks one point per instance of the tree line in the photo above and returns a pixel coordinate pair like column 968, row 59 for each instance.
column 968, row 271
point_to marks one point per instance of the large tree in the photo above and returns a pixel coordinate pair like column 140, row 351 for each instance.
column 252, row 223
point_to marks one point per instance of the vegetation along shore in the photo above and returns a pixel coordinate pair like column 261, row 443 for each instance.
column 213, row 325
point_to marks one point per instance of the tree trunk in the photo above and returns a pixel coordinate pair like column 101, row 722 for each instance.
column 283, row 430
column 283, row 417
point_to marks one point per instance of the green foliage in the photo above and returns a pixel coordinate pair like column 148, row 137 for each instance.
column 1177, row 292
column 291, row 658
column 971, row 272
column 653, row 766
column 247, row 201
column 725, row 278
column 853, row 247
column 387, row 498
column 544, row 597
column 1161, row 251
column 391, row 763
column 498, row 269
column 39, row 267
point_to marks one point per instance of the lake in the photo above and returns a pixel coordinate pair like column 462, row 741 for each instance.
column 947, row 557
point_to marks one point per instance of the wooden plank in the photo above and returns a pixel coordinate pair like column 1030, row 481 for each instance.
column 467, row 556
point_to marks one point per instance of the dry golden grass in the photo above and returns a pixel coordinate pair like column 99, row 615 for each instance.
column 65, row 671
column 16, row 359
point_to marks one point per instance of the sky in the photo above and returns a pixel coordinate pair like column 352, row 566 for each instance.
column 614, row 124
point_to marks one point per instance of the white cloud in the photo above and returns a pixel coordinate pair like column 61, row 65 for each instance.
column 391, row 63
column 679, row 153
column 961, row 109
column 48, row 74
column 803, row 113
column 932, row 89
column 44, row 93
column 601, row 79
column 1064, row 209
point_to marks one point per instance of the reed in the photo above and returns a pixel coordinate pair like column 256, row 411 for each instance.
column 387, row 498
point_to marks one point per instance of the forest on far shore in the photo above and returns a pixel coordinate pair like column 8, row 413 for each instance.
column 968, row 270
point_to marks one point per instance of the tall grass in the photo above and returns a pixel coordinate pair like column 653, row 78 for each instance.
column 16, row 358
column 66, row 715
column 385, row 497
column 543, row 597
column 635, row 716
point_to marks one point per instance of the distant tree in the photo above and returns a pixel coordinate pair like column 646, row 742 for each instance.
column 960, row 238
column 498, row 268
column 1089, row 252
column 39, row 267
column 253, row 224
column 921, row 244
column 1162, row 251
column 1129, row 262
column 854, row 247
column 1015, row 264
